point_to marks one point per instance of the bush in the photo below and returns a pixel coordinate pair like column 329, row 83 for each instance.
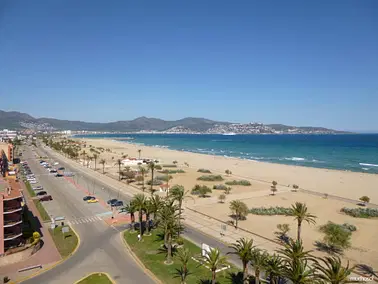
column 211, row 178
column 270, row 211
column 172, row 171
column 155, row 182
column 365, row 199
column 239, row 182
column 201, row 190
column 204, row 171
column 170, row 166
column 360, row 212
column 349, row 227
column 179, row 241
column 336, row 235
column 164, row 178
column 220, row 187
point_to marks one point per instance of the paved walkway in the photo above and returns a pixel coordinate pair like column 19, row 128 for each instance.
column 48, row 254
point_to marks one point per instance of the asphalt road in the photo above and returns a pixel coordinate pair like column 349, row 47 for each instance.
column 101, row 247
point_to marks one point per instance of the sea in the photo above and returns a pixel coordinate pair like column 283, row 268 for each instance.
column 348, row 152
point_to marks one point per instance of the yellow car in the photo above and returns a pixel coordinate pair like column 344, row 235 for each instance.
column 93, row 200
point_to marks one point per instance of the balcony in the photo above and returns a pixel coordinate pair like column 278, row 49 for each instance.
column 12, row 209
column 11, row 223
column 12, row 236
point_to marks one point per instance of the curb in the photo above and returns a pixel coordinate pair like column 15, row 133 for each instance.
column 107, row 275
column 54, row 264
column 138, row 261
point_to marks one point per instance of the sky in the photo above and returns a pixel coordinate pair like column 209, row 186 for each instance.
column 303, row 63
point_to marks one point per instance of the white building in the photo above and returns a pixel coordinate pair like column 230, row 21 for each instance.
column 6, row 134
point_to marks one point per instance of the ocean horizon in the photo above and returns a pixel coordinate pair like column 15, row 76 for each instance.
column 348, row 152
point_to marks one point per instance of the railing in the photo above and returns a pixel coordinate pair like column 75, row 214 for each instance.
column 12, row 208
column 10, row 222
column 11, row 236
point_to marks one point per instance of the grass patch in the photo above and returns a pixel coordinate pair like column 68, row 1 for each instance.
column 360, row 212
column 96, row 278
column 204, row 171
column 29, row 189
column 45, row 216
column 172, row 171
column 148, row 252
column 211, row 178
column 270, row 211
column 220, row 187
column 238, row 182
column 65, row 244
column 169, row 166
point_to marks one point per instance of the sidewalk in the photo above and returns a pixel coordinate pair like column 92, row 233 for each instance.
column 48, row 254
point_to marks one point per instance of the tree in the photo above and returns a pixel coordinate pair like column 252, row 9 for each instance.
column 168, row 178
column 243, row 249
column 273, row 268
column 336, row 236
column 139, row 151
column 119, row 163
column 365, row 199
column 283, row 229
column 151, row 167
column 84, row 155
column 148, row 210
column 227, row 190
column 299, row 212
column 239, row 210
column 130, row 209
column 273, row 188
column 142, row 171
column 156, row 204
column 178, row 193
column 227, row 172
column 103, row 162
column 295, row 187
column 222, row 198
column 139, row 202
column 183, row 255
column 175, row 162
column 332, row 270
column 95, row 156
column 258, row 261
column 214, row 260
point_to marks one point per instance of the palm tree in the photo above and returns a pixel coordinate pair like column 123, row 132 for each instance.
column 294, row 251
column 88, row 160
column 83, row 154
column 258, row 261
column 130, row 209
column 243, row 249
column 214, row 260
column 332, row 271
column 139, row 202
column 103, row 162
column 299, row 272
column 273, row 268
column 139, row 151
column 239, row 210
column 156, row 204
column 95, row 156
column 183, row 255
column 148, row 209
column 119, row 163
column 169, row 177
column 299, row 212
column 143, row 172
column 178, row 193
column 151, row 167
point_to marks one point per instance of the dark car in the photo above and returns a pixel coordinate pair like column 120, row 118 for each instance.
column 88, row 197
column 59, row 175
column 46, row 198
column 111, row 201
column 117, row 203
column 61, row 169
column 41, row 193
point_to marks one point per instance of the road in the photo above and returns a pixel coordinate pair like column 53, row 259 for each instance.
column 101, row 248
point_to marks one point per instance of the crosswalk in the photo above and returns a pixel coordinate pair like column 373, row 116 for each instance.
column 83, row 220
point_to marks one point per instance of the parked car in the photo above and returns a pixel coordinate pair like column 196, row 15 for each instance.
column 111, row 201
column 41, row 193
column 86, row 198
column 56, row 163
column 93, row 200
column 39, row 187
column 58, row 175
column 69, row 174
column 53, row 171
column 117, row 203
column 33, row 181
column 61, row 169
column 46, row 198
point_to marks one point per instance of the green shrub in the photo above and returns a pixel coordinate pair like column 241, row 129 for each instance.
column 360, row 212
column 172, row 171
column 211, row 178
column 271, row 211
column 179, row 241
column 204, row 171
column 239, row 182
column 349, row 227
column 164, row 178
column 220, row 187
column 170, row 166
column 155, row 182
column 336, row 235
column 201, row 190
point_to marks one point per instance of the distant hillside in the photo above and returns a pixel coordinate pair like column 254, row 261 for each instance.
column 18, row 120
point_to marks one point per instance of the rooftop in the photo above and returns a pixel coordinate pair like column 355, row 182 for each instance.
column 15, row 187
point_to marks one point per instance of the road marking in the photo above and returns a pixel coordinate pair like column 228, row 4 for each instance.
column 82, row 220
column 104, row 214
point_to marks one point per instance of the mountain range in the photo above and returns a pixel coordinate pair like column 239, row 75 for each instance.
column 20, row 121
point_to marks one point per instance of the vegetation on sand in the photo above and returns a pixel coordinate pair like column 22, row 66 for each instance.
column 239, row 182
column 204, row 171
column 210, row 178
column 270, row 211
column 201, row 190
column 361, row 212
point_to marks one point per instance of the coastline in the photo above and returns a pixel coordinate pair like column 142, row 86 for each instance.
column 347, row 184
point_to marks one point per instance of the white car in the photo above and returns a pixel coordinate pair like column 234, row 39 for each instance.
column 56, row 163
column 39, row 187
column 33, row 181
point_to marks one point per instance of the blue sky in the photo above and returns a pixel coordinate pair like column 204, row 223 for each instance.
column 293, row 62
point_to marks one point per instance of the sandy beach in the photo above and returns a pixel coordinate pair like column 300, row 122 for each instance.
column 344, row 184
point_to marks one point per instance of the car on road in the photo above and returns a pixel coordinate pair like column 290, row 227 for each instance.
column 111, row 201
column 39, row 187
column 53, row 171
column 33, row 181
column 61, row 169
column 56, row 163
column 41, row 193
column 93, row 200
column 86, row 198
column 46, row 198
column 59, row 175
column 69, row 174
column 117, row 203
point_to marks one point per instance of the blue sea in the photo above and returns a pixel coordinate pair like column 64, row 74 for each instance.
column 352, row 152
